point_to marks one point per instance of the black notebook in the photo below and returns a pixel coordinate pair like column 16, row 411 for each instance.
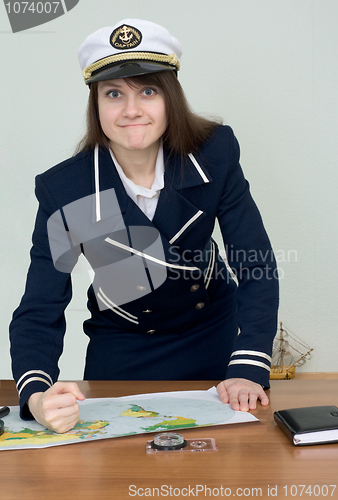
column 311, row 425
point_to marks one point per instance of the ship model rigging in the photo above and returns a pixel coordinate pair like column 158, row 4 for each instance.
column 288, row 352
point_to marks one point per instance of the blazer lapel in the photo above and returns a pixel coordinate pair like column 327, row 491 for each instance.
column 175, row 215
column 110, row 179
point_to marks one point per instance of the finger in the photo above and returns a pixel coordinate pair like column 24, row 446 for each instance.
column 74, row 389
column 67, row 387
column 58, row 401
column 61, row 418
column 61, row 395
column 243, row 398
column 52, row 414
column 223, row 393
column 253, row 396
column 263, row 398
column 234, row 399
column 63, row 425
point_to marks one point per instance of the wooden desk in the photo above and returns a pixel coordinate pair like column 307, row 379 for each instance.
column 253, row 459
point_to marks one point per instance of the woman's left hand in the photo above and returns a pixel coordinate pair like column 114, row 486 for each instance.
column 242, row 394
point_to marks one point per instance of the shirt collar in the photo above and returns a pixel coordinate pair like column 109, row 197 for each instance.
column 133, row 189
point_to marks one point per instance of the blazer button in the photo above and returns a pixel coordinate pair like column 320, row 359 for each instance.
column 151, row 331
column 141, row 288
column 200, row 305
column 194, row 288
column 147, row 311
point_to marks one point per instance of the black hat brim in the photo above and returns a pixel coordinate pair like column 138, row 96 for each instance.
column 128, row 69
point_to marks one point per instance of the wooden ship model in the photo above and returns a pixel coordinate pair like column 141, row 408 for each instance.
column 287, row 353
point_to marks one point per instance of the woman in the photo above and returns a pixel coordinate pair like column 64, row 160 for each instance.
column 140, row 201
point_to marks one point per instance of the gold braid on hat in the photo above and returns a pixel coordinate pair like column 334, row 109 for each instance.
column 170, row 59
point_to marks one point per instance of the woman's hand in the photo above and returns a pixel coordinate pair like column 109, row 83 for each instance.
column 242, row 394
column 57, row 408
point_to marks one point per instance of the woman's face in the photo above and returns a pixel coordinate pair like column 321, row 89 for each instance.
column 133, row 118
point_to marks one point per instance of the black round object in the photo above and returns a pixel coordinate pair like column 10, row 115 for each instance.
column 168, row 441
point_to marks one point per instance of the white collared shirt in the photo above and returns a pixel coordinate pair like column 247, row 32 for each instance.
column 146, row 199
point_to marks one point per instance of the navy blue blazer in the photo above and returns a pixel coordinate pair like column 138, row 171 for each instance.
column 163, row 304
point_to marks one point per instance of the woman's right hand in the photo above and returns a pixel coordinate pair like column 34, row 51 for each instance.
column 57, row 408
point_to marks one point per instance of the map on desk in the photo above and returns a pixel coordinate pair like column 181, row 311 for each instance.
column 115, row 417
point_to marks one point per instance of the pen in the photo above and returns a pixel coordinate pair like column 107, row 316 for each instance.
column 4, row 410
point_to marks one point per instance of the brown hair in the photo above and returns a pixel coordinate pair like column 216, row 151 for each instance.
column 186, row 131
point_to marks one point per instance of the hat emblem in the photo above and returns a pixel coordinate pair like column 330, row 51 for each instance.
column 125, row 37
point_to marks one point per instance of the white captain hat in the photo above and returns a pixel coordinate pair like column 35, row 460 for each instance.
column 132, row 47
